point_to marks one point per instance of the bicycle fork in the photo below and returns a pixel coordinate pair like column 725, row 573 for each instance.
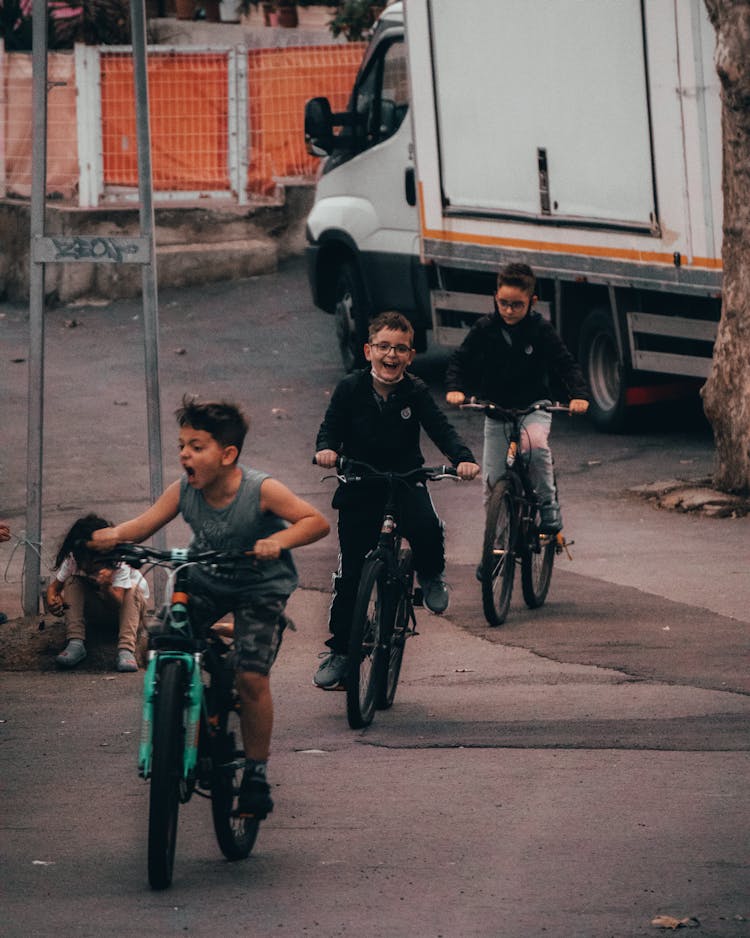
column 191, row 664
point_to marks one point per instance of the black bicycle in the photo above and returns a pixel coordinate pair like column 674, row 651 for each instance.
column 512, row 533
column 191, row 741
column 383, row 616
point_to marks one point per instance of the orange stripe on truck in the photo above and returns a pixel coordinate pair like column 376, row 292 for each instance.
column 652, row 257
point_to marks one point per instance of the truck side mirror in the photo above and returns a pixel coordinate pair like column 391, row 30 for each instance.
column 318, row 127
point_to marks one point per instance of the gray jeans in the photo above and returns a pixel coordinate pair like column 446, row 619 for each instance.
column 534, row 447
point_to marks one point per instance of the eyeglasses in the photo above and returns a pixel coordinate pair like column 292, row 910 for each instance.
column 515, row 306
column 385, row 347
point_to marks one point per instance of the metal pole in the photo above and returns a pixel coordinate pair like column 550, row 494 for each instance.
column 35, row 432
column 150, row 300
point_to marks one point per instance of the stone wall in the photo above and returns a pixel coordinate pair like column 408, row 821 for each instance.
column 195, row 243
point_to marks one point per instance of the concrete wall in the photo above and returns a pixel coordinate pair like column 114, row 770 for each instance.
column 195, row 243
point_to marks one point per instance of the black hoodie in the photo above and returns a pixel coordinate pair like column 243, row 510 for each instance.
column 513, row 366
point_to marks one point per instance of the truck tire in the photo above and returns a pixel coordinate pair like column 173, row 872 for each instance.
column 604, row 371
column 351, row 315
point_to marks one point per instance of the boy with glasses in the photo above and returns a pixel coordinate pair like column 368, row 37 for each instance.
column 511, row 357
column 375, row 416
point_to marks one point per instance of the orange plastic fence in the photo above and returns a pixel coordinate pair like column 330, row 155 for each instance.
column 188, row 96
column 188, row 108
column 279, row 83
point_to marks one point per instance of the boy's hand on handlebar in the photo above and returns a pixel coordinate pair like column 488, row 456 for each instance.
column 467, row 470
column 578, row 406
column 326, row 458
column 456, row 397
column 267, row 549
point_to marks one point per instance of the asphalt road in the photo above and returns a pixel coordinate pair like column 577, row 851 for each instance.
column 577, row 772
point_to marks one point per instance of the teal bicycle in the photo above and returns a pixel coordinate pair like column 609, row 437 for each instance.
column 190, row 732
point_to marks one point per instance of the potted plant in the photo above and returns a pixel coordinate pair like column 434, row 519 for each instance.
column 355, row 18
column 287, row 13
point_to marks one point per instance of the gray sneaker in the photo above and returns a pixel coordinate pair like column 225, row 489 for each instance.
column 332, row 672
column 126, row 661
column 73, row 654
column 435, row 594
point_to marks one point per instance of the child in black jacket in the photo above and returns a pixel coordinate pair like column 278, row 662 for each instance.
column 510, row 357
column 375, row 416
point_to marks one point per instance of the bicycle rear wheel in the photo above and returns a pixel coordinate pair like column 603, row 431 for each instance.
column 235, row 835
column 395, row 642
column 166, row 774
column 498, row 557
column 536, row 567
column 365, row 652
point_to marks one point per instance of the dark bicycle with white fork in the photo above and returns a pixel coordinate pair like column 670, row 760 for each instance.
column 384, row 607
column 512, row 534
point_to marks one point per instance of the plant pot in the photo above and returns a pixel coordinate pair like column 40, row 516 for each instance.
column 228, row 11
column 288, row 15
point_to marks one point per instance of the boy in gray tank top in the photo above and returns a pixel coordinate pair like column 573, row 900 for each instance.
column 228, row 506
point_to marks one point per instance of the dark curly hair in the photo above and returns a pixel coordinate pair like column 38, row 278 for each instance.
column 224, row 421
column 75, row 540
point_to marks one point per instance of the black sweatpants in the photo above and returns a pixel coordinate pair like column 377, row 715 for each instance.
column 359, row 528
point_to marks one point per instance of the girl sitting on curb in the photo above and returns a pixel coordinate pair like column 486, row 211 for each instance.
column 86, row 587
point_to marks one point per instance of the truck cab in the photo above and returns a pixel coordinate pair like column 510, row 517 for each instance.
column 362, row 232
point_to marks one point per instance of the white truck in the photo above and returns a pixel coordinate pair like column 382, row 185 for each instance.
column 580, row 136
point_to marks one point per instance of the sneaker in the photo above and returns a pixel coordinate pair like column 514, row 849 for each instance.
column 435, row 594
column 332, row 672
column 551, row 519
column 73, row 654
column 255, row 799
column 126, row 661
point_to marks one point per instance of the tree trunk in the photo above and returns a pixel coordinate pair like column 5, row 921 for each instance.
column 726, row 395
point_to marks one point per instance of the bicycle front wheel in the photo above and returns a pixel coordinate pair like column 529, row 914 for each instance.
column 396, row 641
column 498, row 554
column 365, row 653
column 536, row 568
column 235, row 835
column 166, row 774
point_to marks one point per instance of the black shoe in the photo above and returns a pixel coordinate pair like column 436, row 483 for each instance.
column 255, row 799
column 551, row 519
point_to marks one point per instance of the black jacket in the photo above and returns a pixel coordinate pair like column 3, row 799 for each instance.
column 387, row 436
column 513, row 366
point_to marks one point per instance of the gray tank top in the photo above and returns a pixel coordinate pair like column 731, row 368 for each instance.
column 239, row 524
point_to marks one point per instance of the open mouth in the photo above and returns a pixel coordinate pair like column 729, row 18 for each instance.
column 190, row 472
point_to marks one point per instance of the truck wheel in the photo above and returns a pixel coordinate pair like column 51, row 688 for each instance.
column 604, row 371
column 351, row 316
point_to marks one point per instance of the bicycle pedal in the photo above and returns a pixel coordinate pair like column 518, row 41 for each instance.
column 417, row 598
column 562, row 545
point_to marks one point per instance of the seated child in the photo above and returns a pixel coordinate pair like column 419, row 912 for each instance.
column 84, row 588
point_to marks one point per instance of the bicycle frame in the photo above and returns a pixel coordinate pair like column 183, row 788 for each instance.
column 512, row 536
column 383, row 616
column 177, row 620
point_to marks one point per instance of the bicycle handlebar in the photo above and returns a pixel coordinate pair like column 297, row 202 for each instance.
column 350, row 470
column 512, row 412
column 136, row 555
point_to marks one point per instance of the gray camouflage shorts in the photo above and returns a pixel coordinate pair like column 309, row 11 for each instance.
column 258, row 628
